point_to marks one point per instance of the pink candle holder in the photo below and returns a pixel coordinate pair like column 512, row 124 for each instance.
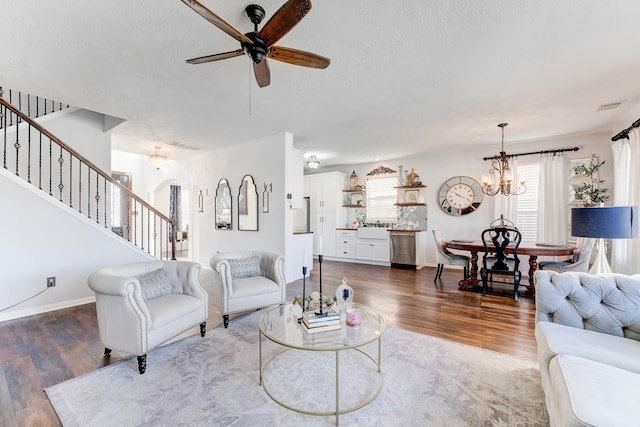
column 353, row 317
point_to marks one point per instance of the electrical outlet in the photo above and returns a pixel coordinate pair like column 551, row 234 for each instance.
column 51, row 282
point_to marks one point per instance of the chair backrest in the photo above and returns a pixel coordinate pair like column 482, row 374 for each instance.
column 496, row 240
column 584, row 247
column 442, row 254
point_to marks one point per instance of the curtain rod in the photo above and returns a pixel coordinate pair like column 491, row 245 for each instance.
column 625, row 133
column 559, row 150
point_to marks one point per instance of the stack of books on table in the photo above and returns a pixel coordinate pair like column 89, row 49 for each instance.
column 312, row 322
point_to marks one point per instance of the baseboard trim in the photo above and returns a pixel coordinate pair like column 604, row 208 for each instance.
column 17, row 314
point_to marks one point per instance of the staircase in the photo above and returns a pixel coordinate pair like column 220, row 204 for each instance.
column 35, row 155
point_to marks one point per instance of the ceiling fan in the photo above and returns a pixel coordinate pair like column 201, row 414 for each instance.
column 259, row 45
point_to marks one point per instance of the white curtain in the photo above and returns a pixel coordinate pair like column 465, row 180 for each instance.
column 625, row 256
column 507, row 205
column 552, row 199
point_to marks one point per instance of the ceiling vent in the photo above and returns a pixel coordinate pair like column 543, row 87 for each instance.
column 609, row 106
column 183, row 146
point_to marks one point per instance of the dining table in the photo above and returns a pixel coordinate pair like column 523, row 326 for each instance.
column 532, row 249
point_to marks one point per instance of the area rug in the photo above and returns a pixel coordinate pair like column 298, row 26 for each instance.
column 214, row 381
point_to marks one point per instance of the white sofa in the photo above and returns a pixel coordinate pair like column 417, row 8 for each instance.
column 143, row 304
column 588, row 340
column 246, row 280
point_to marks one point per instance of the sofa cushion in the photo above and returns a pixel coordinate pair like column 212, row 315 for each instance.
column 252, row 286
column 245, row 267
column 585, row 392
column 154, row 284
column 553, row 339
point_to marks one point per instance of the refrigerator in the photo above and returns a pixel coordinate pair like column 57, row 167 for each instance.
column 302, row 217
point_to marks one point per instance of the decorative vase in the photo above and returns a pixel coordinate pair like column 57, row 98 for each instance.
column 400, row 176
column 344, row 297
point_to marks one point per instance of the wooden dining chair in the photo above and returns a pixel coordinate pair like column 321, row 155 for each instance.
column 496, row 260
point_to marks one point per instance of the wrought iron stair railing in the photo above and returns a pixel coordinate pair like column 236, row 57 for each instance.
column 31, row 105
column 31, row 152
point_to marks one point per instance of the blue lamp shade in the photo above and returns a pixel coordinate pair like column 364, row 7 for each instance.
column 611, row 222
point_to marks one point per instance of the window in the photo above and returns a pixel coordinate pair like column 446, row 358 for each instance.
column 527, row 210
column 381, row 199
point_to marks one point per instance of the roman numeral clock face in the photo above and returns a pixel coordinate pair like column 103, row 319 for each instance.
column 460, row 195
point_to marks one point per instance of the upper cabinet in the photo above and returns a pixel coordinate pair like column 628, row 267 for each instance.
column 325, row 190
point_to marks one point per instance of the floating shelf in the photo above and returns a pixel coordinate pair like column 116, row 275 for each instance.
column 353, row 191
column 410, row 204
column 353, row 206
column 409, row 187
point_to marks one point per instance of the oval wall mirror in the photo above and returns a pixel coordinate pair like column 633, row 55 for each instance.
column 248, row 205
column 223, row 205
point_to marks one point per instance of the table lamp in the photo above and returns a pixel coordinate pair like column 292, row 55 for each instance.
column 611, row 222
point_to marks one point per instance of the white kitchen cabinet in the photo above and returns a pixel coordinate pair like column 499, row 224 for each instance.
column 325, row 190
column 325, row 193
column 323, row 225
column 372, row 250
column 346, row 243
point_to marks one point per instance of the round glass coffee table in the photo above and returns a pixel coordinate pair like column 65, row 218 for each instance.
column 280, row 325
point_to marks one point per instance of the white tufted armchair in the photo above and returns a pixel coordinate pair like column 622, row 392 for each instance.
column 144, row 304
column 247, row 280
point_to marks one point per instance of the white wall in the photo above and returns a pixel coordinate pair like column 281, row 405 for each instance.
column 42, row 237
column 84, row 131
column 435, row 168
column 263, row 159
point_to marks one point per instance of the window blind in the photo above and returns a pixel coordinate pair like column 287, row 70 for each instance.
column 381, row 199
column 527, row 210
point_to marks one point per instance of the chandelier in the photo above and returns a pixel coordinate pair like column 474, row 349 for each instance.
column 313, row 162
column 499, row 178
column 156, row 159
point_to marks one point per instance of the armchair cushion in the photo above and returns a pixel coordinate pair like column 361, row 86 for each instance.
column 154, row 284
column 231, row 294
column 245, row 267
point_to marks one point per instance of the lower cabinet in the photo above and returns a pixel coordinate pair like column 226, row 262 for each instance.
column 345, row 243
column 349, row 246
column 372, row 250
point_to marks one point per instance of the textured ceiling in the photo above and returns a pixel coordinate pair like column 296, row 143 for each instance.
column 405, row 76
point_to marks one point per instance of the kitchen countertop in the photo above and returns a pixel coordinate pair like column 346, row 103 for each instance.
column 388, row 229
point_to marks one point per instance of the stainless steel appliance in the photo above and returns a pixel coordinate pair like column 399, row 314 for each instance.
column 403, row 249
column 302, row 217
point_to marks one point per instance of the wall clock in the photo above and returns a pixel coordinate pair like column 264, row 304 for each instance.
column 460, row 195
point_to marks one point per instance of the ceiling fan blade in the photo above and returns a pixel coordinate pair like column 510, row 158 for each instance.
column 262, row 73
column 298, row 57
column 202, row 10
column 284, row 20
column 215, row 57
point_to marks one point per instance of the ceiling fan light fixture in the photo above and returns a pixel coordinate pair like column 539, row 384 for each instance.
column 313, row 162
column 157, row 160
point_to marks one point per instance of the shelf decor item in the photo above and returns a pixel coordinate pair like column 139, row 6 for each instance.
column 353, row 181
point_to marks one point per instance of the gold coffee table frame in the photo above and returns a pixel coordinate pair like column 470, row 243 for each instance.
column 280, row 326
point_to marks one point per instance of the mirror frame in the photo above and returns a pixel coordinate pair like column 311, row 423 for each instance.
column 245, row 185
column 222, row 184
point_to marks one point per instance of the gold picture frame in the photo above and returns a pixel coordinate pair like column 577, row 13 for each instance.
column 411, row 196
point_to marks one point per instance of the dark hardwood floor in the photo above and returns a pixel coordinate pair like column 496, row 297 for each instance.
column 46, row 349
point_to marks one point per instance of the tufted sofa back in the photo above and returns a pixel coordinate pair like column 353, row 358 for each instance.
column 607, row 303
